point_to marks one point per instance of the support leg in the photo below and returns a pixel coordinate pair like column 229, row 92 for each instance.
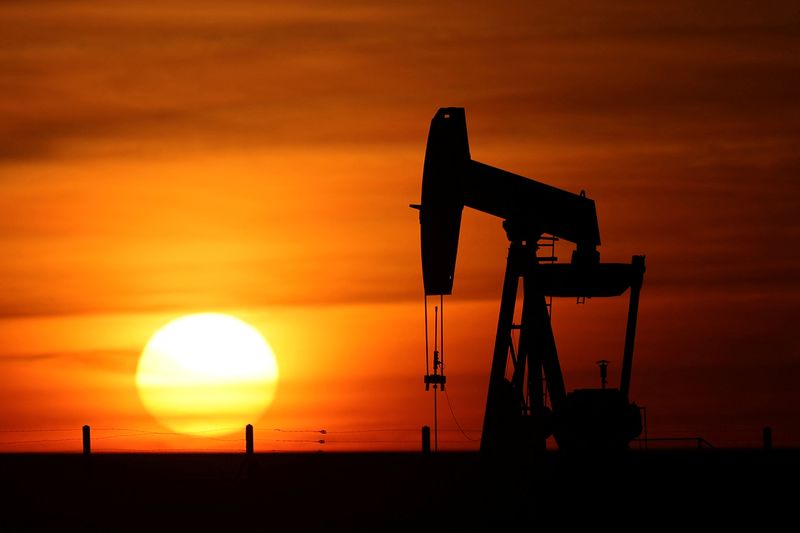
column 496, row 416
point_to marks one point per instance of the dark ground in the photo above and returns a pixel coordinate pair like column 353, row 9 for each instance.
column 638, row 491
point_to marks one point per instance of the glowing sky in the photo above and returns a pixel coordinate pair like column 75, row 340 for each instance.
column 259, row 158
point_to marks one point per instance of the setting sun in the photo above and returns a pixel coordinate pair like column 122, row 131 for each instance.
column 207, row 373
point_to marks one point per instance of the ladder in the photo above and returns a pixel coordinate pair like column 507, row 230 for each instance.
column 547, row 243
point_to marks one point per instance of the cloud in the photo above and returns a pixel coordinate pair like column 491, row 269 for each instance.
column 109, row 76
column 131, row 79
column 659, row 113
column 115, row 360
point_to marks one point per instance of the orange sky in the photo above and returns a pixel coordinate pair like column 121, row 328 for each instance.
column 259, row 158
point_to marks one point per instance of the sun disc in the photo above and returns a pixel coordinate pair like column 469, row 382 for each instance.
column 207, row 373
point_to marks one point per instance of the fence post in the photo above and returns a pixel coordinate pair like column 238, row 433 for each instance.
column 426, row 439
column 767, row 437
column 87, row 440
column 248, row 437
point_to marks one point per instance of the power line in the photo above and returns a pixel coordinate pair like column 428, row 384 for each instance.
column 40, row 441
column 450, row 405
column 34, row 430
column 377, row 430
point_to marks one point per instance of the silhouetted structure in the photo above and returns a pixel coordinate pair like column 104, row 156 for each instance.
column 426, row 439
column 522, row 412
column 603, row 364
column 437, row 378
column 248, row 437
column 87, row 440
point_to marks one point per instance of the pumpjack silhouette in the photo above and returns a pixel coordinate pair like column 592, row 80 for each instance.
column 527, row 400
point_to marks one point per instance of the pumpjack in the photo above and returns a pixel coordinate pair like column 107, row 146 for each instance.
column 527, row 401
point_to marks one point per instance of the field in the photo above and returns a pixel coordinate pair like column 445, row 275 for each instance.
column 639, row 490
